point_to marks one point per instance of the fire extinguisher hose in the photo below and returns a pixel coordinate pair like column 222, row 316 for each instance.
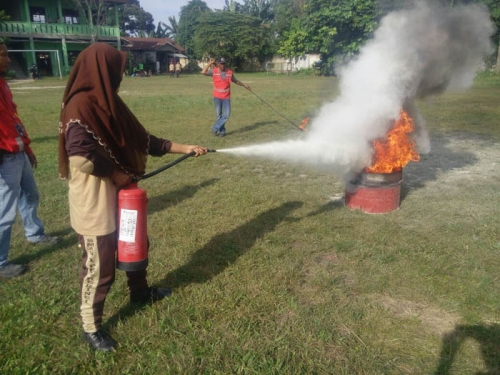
column 166, row 166
column 275, row 110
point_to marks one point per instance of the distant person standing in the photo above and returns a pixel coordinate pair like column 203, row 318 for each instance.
column 178, row 69
column 171, row 68
column 222, row 78
column 18, row 189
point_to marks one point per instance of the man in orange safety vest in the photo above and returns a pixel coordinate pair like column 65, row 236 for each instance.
column 222, row 78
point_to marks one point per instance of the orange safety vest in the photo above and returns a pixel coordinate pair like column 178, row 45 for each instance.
column 222, row 87
column 13, row 135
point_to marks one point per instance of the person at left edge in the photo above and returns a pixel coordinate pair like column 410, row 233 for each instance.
column 18, row 189
column 103, row 147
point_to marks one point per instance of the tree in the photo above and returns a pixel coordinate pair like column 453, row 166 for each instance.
column 262, row 9
column 133, row 20
column 188, row 24
column 285, row 12
column 335, row 28
column 296, row 40
column 387, row 6
column 494, row 8
column 162, row 31
column 238, row 37
column 231, row 6
column 173, row 27
column 258, row 8
column 94, row 13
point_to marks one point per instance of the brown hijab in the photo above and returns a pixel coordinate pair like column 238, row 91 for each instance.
column 91, row 100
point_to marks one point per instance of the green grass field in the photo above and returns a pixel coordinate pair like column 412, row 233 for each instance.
column 271, row 273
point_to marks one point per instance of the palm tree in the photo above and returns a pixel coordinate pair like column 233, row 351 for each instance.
column 162, row 32
column 146, row 34
column 173, row 27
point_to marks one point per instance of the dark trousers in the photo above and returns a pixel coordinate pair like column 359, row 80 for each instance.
column 98, row 274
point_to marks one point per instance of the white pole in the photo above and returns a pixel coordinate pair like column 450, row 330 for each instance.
column 58, row 64
column 42, row 50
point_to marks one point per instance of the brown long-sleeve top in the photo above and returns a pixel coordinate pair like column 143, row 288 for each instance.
column 92, row 193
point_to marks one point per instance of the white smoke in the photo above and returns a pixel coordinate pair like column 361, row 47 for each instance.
column 415, row 52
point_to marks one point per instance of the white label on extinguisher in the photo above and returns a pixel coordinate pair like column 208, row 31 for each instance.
column 128, row 225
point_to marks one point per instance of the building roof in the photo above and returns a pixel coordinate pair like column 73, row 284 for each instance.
column 158, row 44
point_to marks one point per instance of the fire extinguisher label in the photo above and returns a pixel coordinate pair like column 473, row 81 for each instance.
column 128, row 225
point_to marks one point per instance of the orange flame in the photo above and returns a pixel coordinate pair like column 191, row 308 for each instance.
column 304, row 123
column 397, row 150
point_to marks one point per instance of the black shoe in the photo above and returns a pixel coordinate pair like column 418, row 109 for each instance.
column 100, row 341
column 47, row 240
column 11, row 270
column 150, row 295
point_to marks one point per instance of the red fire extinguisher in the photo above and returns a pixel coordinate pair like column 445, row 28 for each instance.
column 132, row 229
column 132, row 222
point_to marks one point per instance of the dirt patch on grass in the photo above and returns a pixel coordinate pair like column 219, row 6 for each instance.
column 454, row 157
column 433, row 319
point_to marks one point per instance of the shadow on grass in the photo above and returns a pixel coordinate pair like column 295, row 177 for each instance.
column 330, row 206
column 251, row 127
column 487, row 336
column 441, row 159
column 224, row 249
column 43, row 250
column 173, row 198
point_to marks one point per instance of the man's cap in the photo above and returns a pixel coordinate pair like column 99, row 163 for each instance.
column 222, row 60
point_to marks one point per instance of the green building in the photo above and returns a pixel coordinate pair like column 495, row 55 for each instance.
column 51, row 33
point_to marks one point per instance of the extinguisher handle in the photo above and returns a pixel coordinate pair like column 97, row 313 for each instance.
column 166, row 166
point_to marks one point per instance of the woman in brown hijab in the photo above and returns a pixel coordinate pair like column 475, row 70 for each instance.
column 103, row 146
